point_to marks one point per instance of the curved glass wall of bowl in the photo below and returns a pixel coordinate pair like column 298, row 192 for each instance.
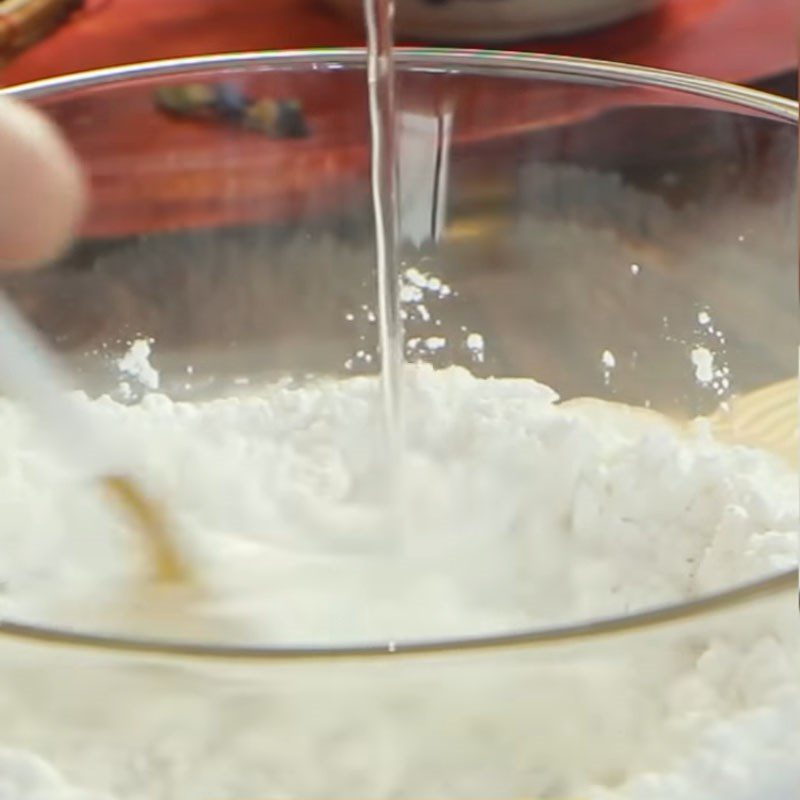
column 612, row 577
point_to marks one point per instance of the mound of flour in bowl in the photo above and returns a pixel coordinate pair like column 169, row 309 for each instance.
column 512, row 511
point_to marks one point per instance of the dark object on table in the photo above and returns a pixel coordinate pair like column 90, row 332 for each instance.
column 227, row 104
column 785, row 84
column 285, row 117
column 483, row 22
column 23, row 22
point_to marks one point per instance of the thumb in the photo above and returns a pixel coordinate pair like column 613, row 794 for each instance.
column 42, row 193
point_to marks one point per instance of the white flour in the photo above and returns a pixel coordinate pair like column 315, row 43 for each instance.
column 703, row 360
column 136, row 364
column 519, row 512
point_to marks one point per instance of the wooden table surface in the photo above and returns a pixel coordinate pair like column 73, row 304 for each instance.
column 733, row 40
column 736, row 40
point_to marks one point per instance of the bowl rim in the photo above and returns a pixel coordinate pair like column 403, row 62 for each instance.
column 464, row 61
column 471, row 61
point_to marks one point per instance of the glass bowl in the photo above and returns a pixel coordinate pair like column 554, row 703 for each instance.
column 614, row 232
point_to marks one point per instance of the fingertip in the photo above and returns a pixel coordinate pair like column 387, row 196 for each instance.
column 43, row 193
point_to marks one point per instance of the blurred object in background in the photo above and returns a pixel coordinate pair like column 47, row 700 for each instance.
column 497, row 21
column 24, row 22
column 226, row 104
column 784, row 84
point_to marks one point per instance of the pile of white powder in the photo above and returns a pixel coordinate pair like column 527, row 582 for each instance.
column 515, row 511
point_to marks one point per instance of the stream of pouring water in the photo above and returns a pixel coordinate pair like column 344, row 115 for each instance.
column 379, row 15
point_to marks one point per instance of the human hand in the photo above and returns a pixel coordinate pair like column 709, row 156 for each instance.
column 42, row 193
